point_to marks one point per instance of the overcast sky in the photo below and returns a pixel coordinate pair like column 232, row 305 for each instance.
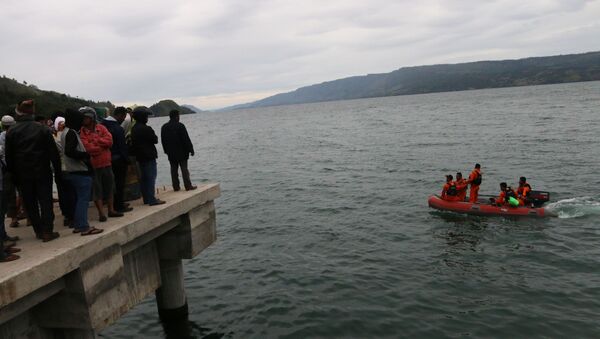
column 223, row 52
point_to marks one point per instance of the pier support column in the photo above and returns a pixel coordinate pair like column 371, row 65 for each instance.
column 170, row 296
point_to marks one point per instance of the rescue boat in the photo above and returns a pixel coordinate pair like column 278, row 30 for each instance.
column 485, row 207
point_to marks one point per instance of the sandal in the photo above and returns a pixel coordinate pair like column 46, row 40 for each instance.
column 9, row 257
column 92, row 231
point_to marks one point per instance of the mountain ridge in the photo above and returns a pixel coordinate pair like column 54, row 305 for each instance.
column 445, row 78
column 48, row 102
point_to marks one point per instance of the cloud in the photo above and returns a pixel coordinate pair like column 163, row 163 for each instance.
column 126, row 51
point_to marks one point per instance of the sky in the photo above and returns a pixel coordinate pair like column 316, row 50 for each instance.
column 216, row 53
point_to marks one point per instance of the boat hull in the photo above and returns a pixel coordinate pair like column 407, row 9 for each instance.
column 481, row 208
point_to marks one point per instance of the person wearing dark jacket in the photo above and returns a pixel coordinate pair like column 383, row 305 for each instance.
column 119, row 155
column 178, row 147
column 143, row 140
column 78, row 171
column 30, row 152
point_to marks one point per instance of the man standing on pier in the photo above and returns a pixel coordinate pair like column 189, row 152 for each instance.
column 178, row 147
column 120, row 156
column 30, row 152
column 143, row 140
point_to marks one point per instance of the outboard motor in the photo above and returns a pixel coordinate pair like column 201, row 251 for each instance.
column 538, row 198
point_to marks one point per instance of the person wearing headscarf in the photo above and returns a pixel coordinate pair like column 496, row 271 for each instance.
column 66, row 193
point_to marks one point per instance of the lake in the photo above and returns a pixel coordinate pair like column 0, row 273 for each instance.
column 324, row 229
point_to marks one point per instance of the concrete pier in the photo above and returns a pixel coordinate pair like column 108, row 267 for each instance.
column 75, row 286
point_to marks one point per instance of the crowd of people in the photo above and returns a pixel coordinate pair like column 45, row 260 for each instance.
column 456, row 190
column 87, row 157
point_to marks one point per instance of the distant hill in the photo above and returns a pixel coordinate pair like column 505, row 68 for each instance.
column 47, row 102
column 193, row 108
column 445, row 78
column 163, row 107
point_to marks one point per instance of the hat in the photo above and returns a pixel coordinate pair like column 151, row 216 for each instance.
column 25, row 107
column 7, row 120
column 88, row 112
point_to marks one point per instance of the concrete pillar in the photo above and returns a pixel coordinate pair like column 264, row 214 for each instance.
column 170, row 296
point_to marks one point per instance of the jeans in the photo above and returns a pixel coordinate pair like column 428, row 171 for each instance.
column 3, row 202
column 37, row 199
column 148, row 180
column 82, row 184
column 185, row 174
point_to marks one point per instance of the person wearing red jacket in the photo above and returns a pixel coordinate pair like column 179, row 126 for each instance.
column 97, row 141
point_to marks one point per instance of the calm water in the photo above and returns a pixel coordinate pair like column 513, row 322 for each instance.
column 324, row 228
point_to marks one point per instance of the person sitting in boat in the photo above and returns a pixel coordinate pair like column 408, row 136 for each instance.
column 461, row 186
column 523, row 191
column 507, row 196
column 449, row 192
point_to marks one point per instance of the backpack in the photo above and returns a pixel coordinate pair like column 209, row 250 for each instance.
column 477, row 181
column 452, row 191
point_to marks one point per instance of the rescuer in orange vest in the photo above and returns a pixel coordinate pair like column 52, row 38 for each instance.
column 449, row 191
column 505, row 193
column 475, row 181
column 461, row 186
column 523, row 191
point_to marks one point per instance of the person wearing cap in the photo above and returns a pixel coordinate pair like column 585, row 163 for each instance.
column 143, row 141
column 12, row 202
column 178, row 147
column 98, row 142
column 6, row 241
column 120, row 156
column 31, row 154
